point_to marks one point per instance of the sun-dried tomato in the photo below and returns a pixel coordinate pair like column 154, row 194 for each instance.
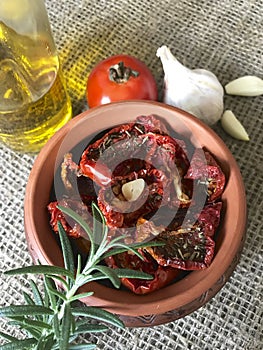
column 123, row 143
column 190, row 246
column 72, row 228
column 210, row 218
column 205, row 169
column 152, row 124
column 119, row 212
column 187, row 250
column 169, row 155
column 145, row 150
column 69, row 173
column 74, row 183
column 167, row 152
column 162, row 276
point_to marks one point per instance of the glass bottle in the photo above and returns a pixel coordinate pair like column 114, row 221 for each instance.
column 34, row 102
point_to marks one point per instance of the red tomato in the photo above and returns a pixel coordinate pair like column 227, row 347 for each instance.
column 120, row 77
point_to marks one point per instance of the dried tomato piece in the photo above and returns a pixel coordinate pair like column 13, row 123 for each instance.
column 89, row 165
column 87, row 191
column 181, row 193
column 166, row 217
column 206, row 170
column 162, row 276
column 74, row 183
column 121, row 142
column 69, row 173
column 186, row 249
column 210, row 218
column 129, row 166
column 166, row 151
column 119, row 212
column 169, row 155
column 72, row 228
column 152, row 124
column 190, row 246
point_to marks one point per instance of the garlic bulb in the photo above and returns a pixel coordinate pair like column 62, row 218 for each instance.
column 196, row 91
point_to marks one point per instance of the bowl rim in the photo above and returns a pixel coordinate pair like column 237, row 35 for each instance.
column 176, row 295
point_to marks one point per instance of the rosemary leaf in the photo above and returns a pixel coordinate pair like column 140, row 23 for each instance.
column 56, row 327
column 50, row 297
column 73, row 322
column 123, row 248
column 25, row 344
column 80, row 296
column 47, row 303
column 97, row 314
column 117, row 239
column 66, row 327
column 57, row 293
column 49, row 341
column 37, row 294
column 83, row 279
column 110, row 274
column 61, row 280
column 41, row 269
column 40, row 344
column 147, row 244
column 56, row 346
column 7, row 336
column 124, row 273
column 100, row 229
column 30, row 330
column 33, row 323
column 45, row 343
column 78, row 265
column 86, row 327
column 83, row 347
column 67, row 253
column 78, row 219
column 28, row 299
column 98, row 276
column 72, row 338
column 129, row 273
column 21, row 310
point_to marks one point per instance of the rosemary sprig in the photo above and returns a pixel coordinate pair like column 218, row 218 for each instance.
column 53, row 320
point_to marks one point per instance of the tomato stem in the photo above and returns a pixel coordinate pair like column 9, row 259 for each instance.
column 119, row 73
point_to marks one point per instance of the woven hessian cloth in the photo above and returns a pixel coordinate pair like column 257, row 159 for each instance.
column 224, row 36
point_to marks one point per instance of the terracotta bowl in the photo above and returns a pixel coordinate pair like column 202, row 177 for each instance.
column 180, row 298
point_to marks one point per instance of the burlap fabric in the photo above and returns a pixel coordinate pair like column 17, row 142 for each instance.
column 224, row 36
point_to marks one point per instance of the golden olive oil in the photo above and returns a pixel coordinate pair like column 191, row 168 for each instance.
column 34, row 102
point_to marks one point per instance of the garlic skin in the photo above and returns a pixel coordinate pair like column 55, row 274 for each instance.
column 196, row 91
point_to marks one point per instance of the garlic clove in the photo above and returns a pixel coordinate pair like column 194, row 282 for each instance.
column 133, row 189
column 233, row 127
column 249, row 85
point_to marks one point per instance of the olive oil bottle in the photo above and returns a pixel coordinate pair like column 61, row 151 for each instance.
column 34, row 102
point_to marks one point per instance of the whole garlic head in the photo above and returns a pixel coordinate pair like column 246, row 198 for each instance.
column 196, row 91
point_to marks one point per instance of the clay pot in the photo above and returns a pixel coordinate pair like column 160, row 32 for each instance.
column 177, row 299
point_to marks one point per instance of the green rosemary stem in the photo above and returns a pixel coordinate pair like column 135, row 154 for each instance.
column 61, row 311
